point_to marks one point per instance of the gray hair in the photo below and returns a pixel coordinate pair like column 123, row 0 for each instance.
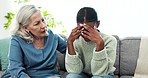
column 23, row 20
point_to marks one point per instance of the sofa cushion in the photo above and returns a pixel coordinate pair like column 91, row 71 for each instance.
column 126, row 77
column 4, row 48
column 117, row 56
column 61, row 60
column 116, row 76
column 129, row 52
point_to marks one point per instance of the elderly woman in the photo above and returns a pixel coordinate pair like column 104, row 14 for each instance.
column 33, row 47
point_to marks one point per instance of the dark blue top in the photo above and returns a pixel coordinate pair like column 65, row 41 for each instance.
column 25, row 60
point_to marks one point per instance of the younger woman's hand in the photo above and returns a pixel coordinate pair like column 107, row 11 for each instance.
column 75, row 33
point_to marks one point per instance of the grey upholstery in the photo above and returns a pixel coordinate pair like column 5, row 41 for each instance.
column 126, row 57
column 129, row 51
column 117, row 56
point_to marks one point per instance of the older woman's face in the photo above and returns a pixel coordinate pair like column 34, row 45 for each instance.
column 37, row 26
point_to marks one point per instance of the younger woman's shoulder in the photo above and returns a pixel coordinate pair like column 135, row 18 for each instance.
column 107, row 37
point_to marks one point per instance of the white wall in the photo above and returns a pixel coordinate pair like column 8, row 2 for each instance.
column 5, row 6
column 118, row 17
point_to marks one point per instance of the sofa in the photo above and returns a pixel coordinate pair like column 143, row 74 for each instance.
column 126, row 57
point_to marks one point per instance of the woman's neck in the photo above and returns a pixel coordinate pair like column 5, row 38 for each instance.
column 38, row 42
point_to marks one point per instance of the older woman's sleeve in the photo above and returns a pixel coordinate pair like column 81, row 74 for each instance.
column 16, row 67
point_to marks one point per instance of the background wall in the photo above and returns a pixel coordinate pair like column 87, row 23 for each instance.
column 118, row 17
column 5, row 6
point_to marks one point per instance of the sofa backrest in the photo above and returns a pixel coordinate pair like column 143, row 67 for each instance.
column 126, row 57
column 4, row 48
column 61, row 60
column 129, row 52
column 117, row 64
